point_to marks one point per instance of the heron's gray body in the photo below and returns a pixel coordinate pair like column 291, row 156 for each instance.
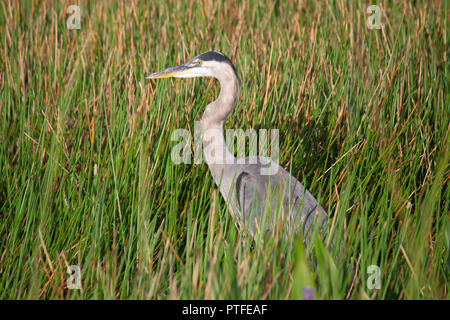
column 257, row 201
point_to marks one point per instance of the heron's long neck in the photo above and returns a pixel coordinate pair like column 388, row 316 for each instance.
column 215, row 149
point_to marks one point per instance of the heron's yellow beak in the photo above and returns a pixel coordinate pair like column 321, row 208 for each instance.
column 170, row 72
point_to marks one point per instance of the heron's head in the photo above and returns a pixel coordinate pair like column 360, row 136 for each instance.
column 207, row 64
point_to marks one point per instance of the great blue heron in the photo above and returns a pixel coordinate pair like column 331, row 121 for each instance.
column 252, row 195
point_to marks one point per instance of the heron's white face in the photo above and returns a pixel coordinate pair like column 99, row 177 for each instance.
column 191, row 69
column 196, row 68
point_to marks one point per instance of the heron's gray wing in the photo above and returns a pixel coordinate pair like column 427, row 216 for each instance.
column 251, row 198
column 262, row 200
column 305, row 208
column 246, row 188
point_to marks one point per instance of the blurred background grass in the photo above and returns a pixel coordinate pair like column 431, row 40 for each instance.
column 87, row 178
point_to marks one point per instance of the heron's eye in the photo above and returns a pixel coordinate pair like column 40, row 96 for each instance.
column 199, row 62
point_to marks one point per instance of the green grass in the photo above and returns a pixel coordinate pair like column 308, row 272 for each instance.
column 87, row 178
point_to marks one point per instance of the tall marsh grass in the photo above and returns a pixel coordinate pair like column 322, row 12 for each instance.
column 86, row 176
